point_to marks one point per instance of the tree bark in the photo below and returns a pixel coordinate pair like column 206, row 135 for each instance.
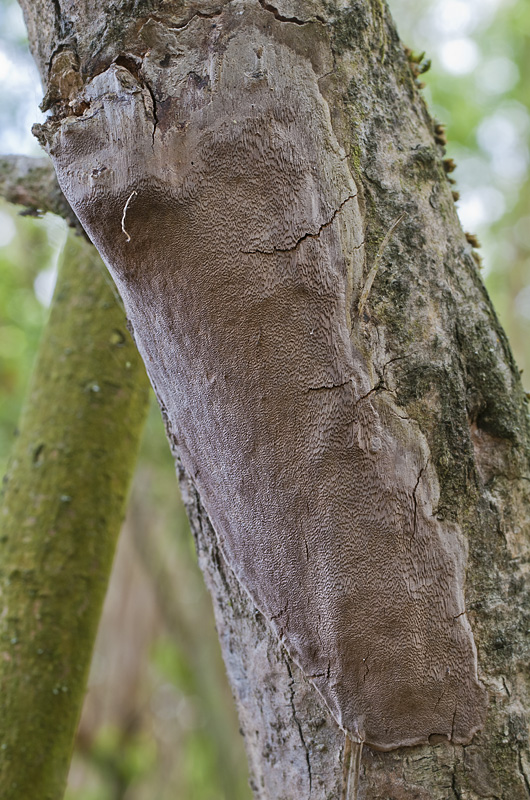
column 266, row 186
column 31, row 182
column 61, row 512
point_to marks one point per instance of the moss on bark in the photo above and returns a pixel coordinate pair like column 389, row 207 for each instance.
column 63, row 503
column 435, row 348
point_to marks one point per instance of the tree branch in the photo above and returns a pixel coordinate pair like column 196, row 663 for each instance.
column 31, row 182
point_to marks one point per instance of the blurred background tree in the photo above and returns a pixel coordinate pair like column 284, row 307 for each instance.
column 158, row 721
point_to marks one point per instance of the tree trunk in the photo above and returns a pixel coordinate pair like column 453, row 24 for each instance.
column 267, row 189
column 62, row 508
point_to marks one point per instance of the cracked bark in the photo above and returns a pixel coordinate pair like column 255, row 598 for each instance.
column 291, row 248
column 31, row 182
column 297, row 723
column 419, row 315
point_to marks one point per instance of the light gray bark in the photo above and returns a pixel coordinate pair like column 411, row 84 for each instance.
column 161, row 137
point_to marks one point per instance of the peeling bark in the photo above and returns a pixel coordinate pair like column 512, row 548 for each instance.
column 266, row 187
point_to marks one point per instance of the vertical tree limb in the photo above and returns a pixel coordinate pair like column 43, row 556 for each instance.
column 63, row 503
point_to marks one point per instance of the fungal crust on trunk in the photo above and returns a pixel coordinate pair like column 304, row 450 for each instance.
column 216, row 190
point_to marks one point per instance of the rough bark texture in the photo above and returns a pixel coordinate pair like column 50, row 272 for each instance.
column 265, row 185
column 61, row 512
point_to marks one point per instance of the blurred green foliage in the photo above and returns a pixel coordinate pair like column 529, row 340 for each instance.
column 478, row 87
column 159, row 722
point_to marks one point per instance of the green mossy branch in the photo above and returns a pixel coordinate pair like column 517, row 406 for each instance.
column 63, row 503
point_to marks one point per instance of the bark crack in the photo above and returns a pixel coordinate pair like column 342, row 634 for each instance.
column 308, row 235
column 62, row 23
column 328, row 388
column 453, row 722
column 155, row 115
column 273, row 10
column 372, row 390
column 298, row 725
column 58, row 20
column 63, row 26
column 280, row 612
column 201, row 14
column 321, row 78
column 439, row 699
column 454, row 787
column 392, row 361
column 415, row 501
column 377, row 388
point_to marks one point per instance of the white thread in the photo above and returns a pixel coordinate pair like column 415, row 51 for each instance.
column 132, row 194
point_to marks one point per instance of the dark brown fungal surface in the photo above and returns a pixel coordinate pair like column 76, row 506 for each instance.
column 238, row 248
